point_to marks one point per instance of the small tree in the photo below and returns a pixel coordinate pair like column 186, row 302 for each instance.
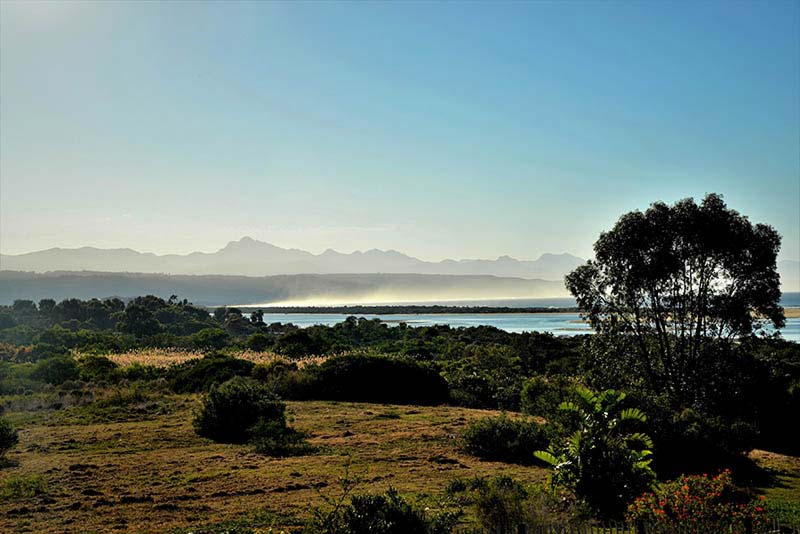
column 602, row 461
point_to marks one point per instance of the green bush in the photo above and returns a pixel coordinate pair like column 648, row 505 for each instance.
column 8, row 437
column 541, row 396
column 503, row 439
column 258, row 342
column 201, row 374
column 386, row 513
column 98, row 368
column 231, row 410
column 274, row 438
column 210, row 338
column 369, row 378
column 56, row 370
column 242, row 410
column 23, row 487
column 603, row 460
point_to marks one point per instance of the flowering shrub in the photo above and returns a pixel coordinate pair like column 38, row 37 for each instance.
column 699, row 503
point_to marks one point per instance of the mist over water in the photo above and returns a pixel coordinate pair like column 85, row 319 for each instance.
column 562, row 324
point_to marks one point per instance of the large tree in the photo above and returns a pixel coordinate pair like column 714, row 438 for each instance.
column 671, row 289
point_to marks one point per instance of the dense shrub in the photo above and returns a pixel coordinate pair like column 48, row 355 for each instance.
column 98, row 368
column 201, row 374
column 369, row 378
column 501, row 503
column 274, row 438
column 297, row 343
column 210, row 338
column 258, row 342
column 284, row 378
column 230, row 411
column 386, row 513
column 56, row 370
column 8, row 436
column 503, row 439
column 700, row 504
column 485, row 376
column 603, row 460
column 243, row 410
column 541, row 396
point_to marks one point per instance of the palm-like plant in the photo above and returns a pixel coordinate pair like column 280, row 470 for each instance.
column 604, row 460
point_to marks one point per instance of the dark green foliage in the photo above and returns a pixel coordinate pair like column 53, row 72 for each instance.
column 297, row 343
column 542, row 396
column 486, row 376
column 500, row 504
column 8, row 437
column 368, row 378
column 603, row 459
column 56, row 370
column 669, row 291
column 258, row 342
column 98, row 368
column 503, row 439
column 387, row 513
column 231, row 410
column 274, row 438
column 245, row 411
column 210, row 338
column 201, row 374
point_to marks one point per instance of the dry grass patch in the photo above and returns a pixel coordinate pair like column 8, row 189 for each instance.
column 157, row 475
column 169, row 357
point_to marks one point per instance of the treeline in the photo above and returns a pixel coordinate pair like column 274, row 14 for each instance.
column 406, row 309
column 744, row 392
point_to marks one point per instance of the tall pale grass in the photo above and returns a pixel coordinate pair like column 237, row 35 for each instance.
column 167, row 357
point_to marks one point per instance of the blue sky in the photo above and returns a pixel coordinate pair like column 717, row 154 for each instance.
column 438, row 129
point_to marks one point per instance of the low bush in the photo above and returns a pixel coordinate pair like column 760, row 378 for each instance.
column 98, row 368
column 56, row 370
column 274, row 438
column 231, row 410
column 258, row 342
column 8, row 437
column 699, row 503
column 242, row 410
column 501, row 503
column 372, row 378
column 200, row 374
column 387, row 513
column 541, row 396
column 503, row 439
column 210, row 338
column 21, row 487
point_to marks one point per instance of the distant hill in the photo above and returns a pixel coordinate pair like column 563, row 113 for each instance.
column 248, row 257
column 214, row 290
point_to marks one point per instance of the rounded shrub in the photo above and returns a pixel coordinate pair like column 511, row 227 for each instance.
column 231, row 411
column 259, row 342
column 8, row 436
column 98, row 368
column 201, row 374
column 369, row 378
column 503, row 439
column 56, row 370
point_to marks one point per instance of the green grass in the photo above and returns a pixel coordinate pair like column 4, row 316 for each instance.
column 23, row 487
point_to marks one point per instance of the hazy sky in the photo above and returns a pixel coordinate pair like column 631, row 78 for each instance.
column 438, row 129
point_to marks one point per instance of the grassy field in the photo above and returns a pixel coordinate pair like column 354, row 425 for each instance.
column 83, row 472
column 130, row 462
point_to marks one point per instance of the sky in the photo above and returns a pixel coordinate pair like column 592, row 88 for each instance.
column 466, row 130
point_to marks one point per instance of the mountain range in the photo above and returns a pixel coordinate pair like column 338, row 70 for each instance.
column 249, row 257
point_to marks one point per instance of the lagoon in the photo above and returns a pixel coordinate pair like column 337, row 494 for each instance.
column 561, row 324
